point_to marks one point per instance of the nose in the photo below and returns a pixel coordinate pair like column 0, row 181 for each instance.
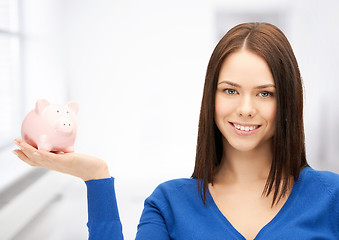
column 246, row 107
column 65, row 126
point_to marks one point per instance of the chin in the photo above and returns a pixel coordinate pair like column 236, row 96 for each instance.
column 242, row 146
column 249, row 145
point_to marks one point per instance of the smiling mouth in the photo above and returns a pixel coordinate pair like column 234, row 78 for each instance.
column 245, row 127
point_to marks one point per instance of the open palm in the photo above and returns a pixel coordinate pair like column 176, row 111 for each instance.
column 80, row 165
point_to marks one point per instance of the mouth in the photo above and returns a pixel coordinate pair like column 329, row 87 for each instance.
column 244, row 129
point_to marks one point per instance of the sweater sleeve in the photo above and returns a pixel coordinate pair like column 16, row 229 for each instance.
column 103, row 216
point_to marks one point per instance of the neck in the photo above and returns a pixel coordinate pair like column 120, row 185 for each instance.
column 238, row 167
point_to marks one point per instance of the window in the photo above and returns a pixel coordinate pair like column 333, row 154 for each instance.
column 10, row 73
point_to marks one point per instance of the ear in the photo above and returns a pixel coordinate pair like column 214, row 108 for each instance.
column 74, row 106
column 40, row 105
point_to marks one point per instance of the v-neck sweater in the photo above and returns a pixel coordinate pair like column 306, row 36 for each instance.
column 175, row 210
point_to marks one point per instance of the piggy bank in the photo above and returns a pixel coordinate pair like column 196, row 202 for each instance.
column 51, row 127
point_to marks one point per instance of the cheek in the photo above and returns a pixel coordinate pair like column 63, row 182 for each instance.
column 269, row 114
column 218, row 109
column 222, row 107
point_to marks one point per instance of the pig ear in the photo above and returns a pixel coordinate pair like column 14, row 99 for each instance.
column 74, row 106
column 40, row 105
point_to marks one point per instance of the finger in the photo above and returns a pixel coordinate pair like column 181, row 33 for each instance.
column 35, row 155
column 23, row 145
column 23, row 157
column 29, row 150
column 37, row 159
column 30, row 153
column 58, row 162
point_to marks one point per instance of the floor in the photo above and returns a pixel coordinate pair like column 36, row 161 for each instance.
column 65, row 217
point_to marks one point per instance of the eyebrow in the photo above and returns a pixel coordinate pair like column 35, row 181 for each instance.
column 237, row 85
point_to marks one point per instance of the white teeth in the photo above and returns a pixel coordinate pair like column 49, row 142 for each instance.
column 243, row 128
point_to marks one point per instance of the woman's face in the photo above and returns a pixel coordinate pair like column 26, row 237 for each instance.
column 245, row 102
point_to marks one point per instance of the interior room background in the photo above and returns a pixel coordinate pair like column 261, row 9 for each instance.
column 136, row 68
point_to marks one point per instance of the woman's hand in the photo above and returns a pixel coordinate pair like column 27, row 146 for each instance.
column 80, row 165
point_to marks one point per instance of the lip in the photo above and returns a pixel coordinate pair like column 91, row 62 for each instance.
column 244, row 133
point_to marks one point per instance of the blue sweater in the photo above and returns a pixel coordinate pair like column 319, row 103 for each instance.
column 175, row 211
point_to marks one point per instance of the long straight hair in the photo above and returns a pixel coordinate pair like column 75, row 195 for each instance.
column 270, row 43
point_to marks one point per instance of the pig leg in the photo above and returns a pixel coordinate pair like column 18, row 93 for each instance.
column 45, row 147
column 43, row 143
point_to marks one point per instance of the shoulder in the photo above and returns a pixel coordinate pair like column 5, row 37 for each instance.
column 326, row 179
column 176, row 186
column 177, row 183
column 173, row 191
column 321, row 186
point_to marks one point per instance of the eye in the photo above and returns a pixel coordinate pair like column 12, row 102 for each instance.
column 265, row 94
column 57, row 110
column 67, row 112
column 230, row 91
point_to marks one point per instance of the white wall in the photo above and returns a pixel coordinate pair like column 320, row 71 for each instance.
column 42, row 49
column 137, row 70
column 315, row 37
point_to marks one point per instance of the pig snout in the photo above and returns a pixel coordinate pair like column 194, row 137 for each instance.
column 65, row 126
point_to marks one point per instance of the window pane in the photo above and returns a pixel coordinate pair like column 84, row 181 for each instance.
column 10, row 89
column 9, row 15
column 4, row 15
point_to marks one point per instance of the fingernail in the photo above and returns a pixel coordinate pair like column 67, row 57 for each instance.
column 36, row 154
column 14, row 152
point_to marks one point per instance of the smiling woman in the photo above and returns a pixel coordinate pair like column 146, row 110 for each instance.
column 246, row 105
column 255, row 60
column 251, row 179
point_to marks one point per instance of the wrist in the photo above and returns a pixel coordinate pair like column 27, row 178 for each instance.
column 99, row 173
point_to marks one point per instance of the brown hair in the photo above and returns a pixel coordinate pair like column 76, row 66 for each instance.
column 270, row 43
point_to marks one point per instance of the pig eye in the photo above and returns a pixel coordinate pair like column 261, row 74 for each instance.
column 67, row 112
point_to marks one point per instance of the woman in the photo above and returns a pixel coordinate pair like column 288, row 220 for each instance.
column 251, row 178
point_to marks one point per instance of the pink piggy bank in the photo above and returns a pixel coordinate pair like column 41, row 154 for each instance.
column 51, row 127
